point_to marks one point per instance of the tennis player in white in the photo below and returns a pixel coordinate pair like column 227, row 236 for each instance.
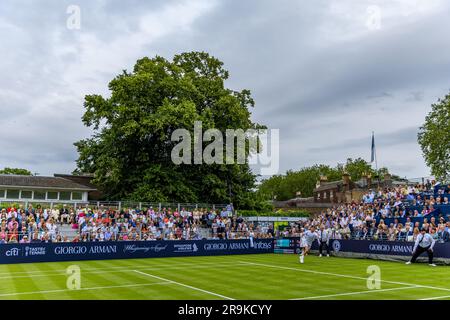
column 307, row 239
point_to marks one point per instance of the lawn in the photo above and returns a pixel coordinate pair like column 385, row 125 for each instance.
column 259, row 277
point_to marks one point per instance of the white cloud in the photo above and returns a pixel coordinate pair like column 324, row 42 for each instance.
column 46, row 99
column 316, row 71
column 351, row 20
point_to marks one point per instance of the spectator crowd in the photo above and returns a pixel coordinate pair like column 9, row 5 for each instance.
column 395, row 213
column 19, row 225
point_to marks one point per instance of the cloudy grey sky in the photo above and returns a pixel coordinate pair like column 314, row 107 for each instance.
column 326, row 73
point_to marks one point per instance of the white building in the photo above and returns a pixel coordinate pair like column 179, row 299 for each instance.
column 39, row 189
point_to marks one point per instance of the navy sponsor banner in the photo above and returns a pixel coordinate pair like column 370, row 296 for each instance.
column 392, row 248
column 48, row 252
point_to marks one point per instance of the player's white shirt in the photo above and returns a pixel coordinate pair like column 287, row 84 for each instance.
column 308, row 238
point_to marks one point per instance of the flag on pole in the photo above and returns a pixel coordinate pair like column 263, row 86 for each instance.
column 372, row 158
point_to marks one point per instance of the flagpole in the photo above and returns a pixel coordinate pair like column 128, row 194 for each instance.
column 374, row 157
column 375, row 151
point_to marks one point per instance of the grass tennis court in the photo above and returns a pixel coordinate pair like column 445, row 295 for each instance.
column 259, row 277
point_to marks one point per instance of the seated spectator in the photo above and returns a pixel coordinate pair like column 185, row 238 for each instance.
column 392, row 233
column 24, row 239
column 416, row 233
column 13, row 238
column 446, row 233
column 433, row 233
column 425, row 224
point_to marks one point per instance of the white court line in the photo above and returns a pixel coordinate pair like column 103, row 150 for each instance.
column 353, row 293
column 343, row 275
column 183, row 285
column 436, row 298
column 84, row 289
column 121, row 268
column 157, row 266
column 145, row 267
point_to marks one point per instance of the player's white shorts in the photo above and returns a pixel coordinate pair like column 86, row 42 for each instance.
column 305, row 243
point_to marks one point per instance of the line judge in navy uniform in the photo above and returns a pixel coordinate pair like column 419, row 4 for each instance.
column 424, row 243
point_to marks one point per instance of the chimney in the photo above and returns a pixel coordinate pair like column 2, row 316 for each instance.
column 387, row 176
column 387, row 179
column 346, row 180
column 364, row 179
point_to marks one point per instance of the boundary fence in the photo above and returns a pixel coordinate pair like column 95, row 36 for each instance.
column 118, row 205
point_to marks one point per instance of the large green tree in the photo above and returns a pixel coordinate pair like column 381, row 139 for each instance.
column 357, row 168
column 130, row 150
column 434, row 139
column 285, row 187
column 16, row 171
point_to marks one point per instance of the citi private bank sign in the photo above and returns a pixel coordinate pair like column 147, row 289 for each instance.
column 48, row 252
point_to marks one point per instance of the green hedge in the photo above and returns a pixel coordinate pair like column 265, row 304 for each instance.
column 280, row 213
